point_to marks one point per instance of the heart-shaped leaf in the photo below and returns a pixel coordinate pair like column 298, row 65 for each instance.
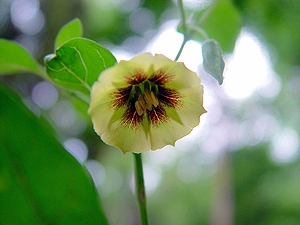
column 77, row 64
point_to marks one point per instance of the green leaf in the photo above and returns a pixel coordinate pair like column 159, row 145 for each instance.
column 70, row 30
column 40, row 182
column 77, row 64
column 16, row 59
column 221, row 22
column 213, row 62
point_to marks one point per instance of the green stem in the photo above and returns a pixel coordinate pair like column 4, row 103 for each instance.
column 140, row 187
column 185, row 39
column 184, row 29
column 181, row 9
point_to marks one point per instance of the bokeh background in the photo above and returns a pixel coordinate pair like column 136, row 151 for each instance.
column 240, row 165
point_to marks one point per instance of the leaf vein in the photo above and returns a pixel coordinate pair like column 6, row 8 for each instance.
column 76, row 76
column 100, row 56
column 82, row 61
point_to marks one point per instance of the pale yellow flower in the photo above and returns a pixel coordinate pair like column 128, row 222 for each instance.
column 146, row 103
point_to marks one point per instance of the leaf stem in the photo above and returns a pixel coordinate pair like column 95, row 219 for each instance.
column 140, row 187
column 200, row 31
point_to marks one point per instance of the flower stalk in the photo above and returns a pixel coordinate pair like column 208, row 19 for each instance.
column 185, row 39
column 140, row 187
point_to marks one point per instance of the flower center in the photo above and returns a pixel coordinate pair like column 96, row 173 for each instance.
column 146, row 99
column 145, row 96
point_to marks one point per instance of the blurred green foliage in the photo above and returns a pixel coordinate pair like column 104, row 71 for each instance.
column 277, row 24
column 221, row 22
column 10, row 64
column 263, row 191
column 40, row 183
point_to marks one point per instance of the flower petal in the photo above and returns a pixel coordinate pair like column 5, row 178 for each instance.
column 181, row 121
column 181, row 76
column 127, row 138
column 108, row 125
column 143, row 61
column 102, row 114
column 192, row 105
column 167, row 134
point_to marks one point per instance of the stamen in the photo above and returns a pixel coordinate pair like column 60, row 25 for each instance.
column 142, row 102
column 140, row 105
column 155, row 101
column 139, row 108
column 148, row 100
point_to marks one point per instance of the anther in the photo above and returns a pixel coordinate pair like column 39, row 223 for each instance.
column 148, row 100
column 155, row 101
column 140, row 106
column 142, row 102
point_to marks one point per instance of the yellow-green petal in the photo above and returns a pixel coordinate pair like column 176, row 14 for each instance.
column 143, row 62
column 182, row 77
column 192, row 106
column 182, row 120
column 127, row 138
column 167, row 134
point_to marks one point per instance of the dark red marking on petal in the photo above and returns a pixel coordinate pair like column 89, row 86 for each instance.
column 157, row 115
column 131, row 117
column 121, row 96
column 169, row 97
column 137, row 77
column 160, row 77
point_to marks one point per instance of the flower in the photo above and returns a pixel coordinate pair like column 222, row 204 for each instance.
column 145, row 103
